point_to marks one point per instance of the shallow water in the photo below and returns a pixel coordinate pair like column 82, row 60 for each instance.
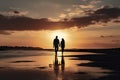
column 59, row 67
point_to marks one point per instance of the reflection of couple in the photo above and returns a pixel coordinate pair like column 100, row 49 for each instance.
column 57, row 65
column 56, row 44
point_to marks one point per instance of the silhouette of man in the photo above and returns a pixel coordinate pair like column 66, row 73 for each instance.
column 62, row 45
column 56, row 44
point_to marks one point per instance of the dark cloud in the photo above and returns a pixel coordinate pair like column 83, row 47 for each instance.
column 20, row 23
column 25, row 23
column 16, row 12
column 117, row 21
column 108, row 36
column 5, row 32
column 101, row 15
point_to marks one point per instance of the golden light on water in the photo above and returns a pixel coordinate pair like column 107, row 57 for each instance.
column 58, row 56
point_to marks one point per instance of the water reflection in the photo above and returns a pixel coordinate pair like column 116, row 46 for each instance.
column 62, row 63
column 57, row 65
column 60, row 67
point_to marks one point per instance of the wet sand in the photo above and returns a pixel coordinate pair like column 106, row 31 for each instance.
column 40, row 74
column 22, row 74
column 108, row 59
column 100, row 60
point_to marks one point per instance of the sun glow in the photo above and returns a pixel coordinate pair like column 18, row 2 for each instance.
column 59, row 33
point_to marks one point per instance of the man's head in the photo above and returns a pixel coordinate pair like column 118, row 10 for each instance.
column 56, row 37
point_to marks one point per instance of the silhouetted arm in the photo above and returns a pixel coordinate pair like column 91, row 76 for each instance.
column 59, row 43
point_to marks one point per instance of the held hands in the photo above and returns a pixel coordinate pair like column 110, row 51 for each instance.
column 59, row 45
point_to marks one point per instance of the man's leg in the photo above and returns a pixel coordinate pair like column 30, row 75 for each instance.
column 55, row 50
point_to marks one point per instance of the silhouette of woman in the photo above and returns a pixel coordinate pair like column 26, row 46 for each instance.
column 56, row 44
column 62, row 63
column 62, row 45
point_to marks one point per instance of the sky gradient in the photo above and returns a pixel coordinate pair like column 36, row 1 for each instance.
column 83, row 23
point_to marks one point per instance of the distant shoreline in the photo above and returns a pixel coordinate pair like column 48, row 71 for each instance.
column 109, row 50
column 19, row 48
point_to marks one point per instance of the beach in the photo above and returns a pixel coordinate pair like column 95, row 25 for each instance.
column 44, row 65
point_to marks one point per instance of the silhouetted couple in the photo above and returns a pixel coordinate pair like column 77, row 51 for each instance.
column 56, row 44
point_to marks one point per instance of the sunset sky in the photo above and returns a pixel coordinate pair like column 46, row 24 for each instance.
column 82, row 23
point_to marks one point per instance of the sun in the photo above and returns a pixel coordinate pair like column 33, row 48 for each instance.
column 59, row 33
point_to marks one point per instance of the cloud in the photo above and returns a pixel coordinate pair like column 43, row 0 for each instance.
column 117, row 21
column 96, row 1
column 109, row 36
column 74, row 11
column 5, row 32
column 62, row 15
column 87, row 6
column 16, row 12
column 101, row 15
column 20, row 23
